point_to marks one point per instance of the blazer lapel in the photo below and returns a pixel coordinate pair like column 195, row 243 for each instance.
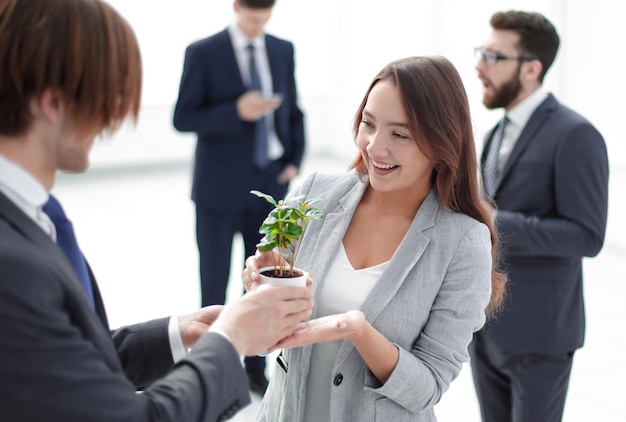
column 402, row 262
column 536, row 121
column 319, row 254
column 29, row 229
column 272, row 57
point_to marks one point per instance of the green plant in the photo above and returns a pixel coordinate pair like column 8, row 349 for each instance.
column 283, row 228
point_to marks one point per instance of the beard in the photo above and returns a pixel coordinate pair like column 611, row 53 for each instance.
column 506, row 93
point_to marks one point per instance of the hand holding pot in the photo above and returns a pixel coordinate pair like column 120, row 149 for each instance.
column 259, row 319
column 255, row 263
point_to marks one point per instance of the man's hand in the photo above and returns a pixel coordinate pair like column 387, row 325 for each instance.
column 251, row 106
column 193, row 326
column 289, row 172
column 259, row 319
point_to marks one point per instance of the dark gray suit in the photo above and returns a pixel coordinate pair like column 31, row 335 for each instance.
column 59, row 362
column 552, row 212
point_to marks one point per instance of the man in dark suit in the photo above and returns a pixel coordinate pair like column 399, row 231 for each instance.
column 546, row 168
column 238, row 94
column 61, row 85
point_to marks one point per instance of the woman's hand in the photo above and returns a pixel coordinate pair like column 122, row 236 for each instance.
column 349, row 326
column 251, row 276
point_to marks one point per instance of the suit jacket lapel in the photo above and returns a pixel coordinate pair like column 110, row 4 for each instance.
column 536, row 121
column 272, row 57
column 31, row 231
column 229, row 61
column 402, row 262
column 319, row 254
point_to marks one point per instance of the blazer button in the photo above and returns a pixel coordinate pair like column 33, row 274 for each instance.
column 338, row 379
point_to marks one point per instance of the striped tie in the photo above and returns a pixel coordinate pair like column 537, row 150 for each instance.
column 491, row 168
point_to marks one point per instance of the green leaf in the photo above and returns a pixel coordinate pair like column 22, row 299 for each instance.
column 285, row 223
column 267, row 197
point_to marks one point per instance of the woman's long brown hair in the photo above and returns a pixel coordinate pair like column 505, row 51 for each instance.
column 435, row 101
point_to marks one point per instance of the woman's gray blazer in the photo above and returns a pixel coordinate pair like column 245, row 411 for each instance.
column 429, row 301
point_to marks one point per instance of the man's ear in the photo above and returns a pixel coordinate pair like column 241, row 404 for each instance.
column 532, row 70
column 49, row 105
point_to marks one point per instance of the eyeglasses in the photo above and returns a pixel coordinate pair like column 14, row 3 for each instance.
column 491, row 58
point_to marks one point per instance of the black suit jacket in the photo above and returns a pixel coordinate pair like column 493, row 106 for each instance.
column 59, row 362
column 210, row 85
column 552, row 201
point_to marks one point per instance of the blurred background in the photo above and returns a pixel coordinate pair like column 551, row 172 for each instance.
column 136, row 222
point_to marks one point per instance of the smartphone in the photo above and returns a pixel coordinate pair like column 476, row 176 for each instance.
column 276, row 97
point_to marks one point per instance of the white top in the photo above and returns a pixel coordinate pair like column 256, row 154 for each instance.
column 344, row 289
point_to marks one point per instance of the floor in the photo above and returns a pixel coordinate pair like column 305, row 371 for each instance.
column 136, row 226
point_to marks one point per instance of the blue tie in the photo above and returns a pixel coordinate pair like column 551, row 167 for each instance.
column 491, row 169
column 67, row 242
column 260, row 126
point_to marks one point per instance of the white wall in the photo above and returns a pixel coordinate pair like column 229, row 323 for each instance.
column 341, row 44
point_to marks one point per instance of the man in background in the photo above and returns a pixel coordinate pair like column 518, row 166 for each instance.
column 238, row 94
column 546, row 169
column 69, row 70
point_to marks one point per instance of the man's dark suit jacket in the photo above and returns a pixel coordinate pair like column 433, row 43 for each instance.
column 210, row 85
column 552, row 200
column 59, row 362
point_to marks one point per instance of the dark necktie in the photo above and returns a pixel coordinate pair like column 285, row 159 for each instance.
column 260, row 126
column 491, row 169
column 67, row 242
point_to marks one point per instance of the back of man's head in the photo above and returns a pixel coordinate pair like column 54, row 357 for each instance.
column 538, row 36
column 82, row 49
column 257, row 4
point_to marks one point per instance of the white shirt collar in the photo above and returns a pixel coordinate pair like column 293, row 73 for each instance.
column 25, row 192
column 240, row 41
column 520, row 114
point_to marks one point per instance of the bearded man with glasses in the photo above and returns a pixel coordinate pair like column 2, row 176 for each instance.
column 546, row 169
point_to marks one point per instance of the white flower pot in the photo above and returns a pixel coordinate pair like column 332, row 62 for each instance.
column 298, row 281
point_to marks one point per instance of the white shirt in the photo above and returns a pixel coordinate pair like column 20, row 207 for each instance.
column 518, row 117
column 344, row 289
column 240, row 47
column 26, row 192
column 29, row 196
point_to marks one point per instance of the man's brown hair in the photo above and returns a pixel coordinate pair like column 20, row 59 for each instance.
column 83, row 49
column 537, row 36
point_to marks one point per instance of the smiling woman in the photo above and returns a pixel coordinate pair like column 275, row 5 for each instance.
column 406, row 264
